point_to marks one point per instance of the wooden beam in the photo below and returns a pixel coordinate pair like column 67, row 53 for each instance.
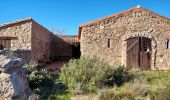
column 8, row 38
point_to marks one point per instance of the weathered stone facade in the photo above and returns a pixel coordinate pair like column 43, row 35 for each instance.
column 28, row 34
column 21, row 30
column 44, row 43
column 136, row 22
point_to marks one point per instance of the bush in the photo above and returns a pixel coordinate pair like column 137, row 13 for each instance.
column 149, row 85
column 44, row 85
column 91, row 74
column 117, row 77
column 84, row 75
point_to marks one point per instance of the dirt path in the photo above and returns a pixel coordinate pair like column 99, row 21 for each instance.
column 55, row 67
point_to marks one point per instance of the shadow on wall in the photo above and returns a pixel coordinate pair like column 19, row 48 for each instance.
column 76, row 51
column 62, row 50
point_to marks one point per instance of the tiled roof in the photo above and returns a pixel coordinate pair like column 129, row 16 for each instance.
column 15, row 22
column 120, row 13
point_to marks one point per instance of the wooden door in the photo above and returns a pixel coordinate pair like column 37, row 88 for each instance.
column 145, row 53
column 133, row 52
column 139, row 53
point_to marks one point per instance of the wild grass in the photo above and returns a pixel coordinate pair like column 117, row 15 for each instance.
column 146, row 85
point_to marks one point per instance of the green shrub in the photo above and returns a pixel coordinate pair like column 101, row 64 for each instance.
column 147, row 85
column 85, row 74
column 91, row 74
column 44, row 84
column 117, row 77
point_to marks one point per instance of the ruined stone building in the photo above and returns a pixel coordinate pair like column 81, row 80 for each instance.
column 27, row 34
column 134, row 38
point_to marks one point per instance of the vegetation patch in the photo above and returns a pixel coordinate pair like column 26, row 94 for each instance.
column 87, row 75
column 45, row 85
column 93, row 78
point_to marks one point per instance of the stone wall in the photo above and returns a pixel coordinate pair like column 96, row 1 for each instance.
column 30, row 35
column 40, row 40
column 132, row 23
column 62, row 48
column 19, row 29
column 45, row 45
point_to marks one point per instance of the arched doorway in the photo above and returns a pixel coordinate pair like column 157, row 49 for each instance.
column 139, row 53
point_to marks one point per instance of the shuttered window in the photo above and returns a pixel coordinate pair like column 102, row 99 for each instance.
column 5, row 44
column 168, row 44
column 108, row 43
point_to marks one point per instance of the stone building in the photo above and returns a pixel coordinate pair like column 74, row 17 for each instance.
column 134, row 38
column 29, row 35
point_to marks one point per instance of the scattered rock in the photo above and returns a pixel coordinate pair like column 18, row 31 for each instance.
column 13, row 82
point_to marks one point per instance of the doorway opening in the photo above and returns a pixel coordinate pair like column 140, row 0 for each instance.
column 139, row 53
column 76, row 51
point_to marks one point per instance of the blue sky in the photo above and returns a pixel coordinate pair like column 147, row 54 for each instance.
column 69, row 14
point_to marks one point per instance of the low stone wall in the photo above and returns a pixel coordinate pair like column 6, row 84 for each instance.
column 13, row 80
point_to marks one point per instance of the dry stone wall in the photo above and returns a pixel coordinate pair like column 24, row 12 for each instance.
column 116, row 29
column 41, row 44
column 46, row 45
column 60, row 48
column 22, row 32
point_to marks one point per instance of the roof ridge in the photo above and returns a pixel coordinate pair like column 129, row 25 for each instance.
column 101, row 19
column 16, row 21
column 119, row 13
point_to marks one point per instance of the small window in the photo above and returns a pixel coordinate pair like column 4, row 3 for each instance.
column 168, row 44
column 108, row 43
